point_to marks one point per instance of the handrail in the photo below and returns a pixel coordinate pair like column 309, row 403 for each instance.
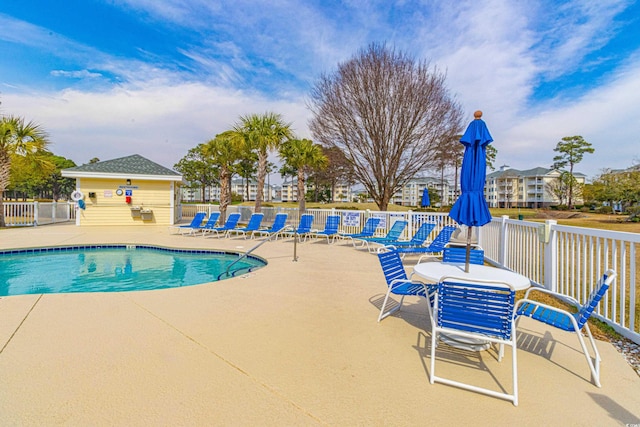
column 246, row 254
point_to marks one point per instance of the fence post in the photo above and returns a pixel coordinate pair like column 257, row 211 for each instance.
column 54, row 208
column 551, row 256
column 502, row 241
column 36, row 211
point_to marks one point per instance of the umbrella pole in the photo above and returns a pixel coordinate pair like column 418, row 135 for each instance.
column 468, row 254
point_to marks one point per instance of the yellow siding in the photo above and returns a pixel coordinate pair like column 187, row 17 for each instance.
column 113, row 210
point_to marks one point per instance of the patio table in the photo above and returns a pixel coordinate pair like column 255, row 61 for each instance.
column 435, row 271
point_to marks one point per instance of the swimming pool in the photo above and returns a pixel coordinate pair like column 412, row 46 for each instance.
column 115, row 268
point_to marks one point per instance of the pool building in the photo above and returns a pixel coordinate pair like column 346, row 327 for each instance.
column 129, row 190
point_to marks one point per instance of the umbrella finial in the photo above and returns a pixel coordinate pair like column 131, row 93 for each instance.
column 477, row 115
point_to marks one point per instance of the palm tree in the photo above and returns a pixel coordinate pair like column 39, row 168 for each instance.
column 304, row 156
column 17, row 138
column 225, row 150
column 263, row 133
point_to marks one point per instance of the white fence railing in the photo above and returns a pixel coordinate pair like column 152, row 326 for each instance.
column 24, row 214
column 569, row 260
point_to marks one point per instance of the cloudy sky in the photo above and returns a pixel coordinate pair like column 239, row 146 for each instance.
column 111, row 78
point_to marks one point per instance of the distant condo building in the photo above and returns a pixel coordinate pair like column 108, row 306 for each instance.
column 532, row 188
column 505, row 188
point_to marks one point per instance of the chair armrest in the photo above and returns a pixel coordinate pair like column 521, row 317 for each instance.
column 546, row 306
column 426, row 256
column 555, row 294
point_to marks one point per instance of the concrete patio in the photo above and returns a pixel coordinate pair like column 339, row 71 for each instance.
column 294, row 343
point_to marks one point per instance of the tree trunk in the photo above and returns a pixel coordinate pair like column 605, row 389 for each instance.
column 2, row 224
column 301, row 201
column 262, row 173
column 225, row 193
column 570, row 202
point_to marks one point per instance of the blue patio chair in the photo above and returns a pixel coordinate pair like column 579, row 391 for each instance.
column 570, row 322
column 399, row 284
column 211, row 222
column 252, row 225
column 279, row 223
column 232, row 221
column 330, row 229
column 458, row 255
column 479, row 311
column 368, row 230
column 393, row 235
column 304, row 227
column 434, row 248
column 195, row 222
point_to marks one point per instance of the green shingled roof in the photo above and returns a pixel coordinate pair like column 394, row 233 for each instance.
column 131, row 165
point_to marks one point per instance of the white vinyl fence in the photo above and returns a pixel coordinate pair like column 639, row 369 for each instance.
column 25, row 214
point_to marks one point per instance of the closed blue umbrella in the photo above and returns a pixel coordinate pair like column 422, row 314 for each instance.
column 425, row 198
column 471, row 207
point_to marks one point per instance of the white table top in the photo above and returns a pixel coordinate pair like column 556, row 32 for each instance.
column 434, row 271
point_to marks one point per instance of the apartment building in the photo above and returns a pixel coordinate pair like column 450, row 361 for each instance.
column 532, row 188
column 289, row 191
column 411, row 193
column 239, row 186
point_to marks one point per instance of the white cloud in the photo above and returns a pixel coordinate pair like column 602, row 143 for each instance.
column 79, row 74
column 156, row 121
column 605, row 117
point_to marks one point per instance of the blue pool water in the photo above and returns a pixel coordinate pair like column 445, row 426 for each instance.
column 113, row 268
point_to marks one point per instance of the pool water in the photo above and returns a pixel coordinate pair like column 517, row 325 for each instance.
column 114, row 268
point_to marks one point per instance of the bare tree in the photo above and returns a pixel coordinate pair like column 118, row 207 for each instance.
column 338, row 171
column 386, row 113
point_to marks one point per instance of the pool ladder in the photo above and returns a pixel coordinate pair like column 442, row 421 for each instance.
column 246, row 254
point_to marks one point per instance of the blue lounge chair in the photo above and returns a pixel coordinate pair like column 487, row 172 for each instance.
column 195, row 222
column 368, row 230
column 419, row 237
column 252, row 225
column 570, row 322
column 304, row 227
column 480, row 311
column 211, row 222
column 399, row 284
column 393, row 235
column 279, row 223
column 232, row 221
column 434, row 248
column 330, row 229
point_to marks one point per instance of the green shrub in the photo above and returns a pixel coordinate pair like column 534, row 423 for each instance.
column 605, row 210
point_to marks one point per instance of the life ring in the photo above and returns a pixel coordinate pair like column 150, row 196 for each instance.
column 77, row 195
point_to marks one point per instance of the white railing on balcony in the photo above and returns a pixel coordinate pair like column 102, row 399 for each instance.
column 24, row 214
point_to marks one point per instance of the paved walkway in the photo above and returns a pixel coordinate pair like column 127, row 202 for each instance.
column 294, row 343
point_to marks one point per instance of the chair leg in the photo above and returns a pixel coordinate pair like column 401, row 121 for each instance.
column 432, row 370
column 514, row 366
column 384, row 304
column 594, row 365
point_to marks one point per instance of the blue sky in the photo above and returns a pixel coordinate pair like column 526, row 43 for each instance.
column 111, row 78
